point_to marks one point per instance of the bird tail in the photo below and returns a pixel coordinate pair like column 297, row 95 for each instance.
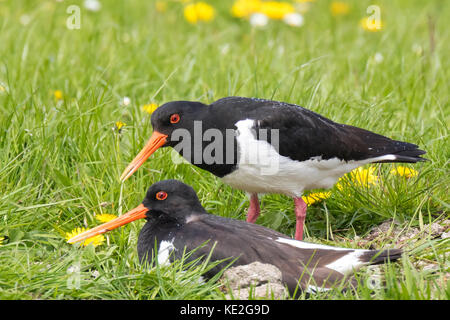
column 407, row 156
column 380, row 256
column 383, row 149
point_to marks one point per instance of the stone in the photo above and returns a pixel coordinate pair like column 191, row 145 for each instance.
column 254, row 280
column 392, row 230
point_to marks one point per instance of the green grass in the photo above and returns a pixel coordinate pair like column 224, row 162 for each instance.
column 60, row 161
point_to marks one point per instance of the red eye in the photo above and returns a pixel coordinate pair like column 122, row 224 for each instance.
column 174, row 118
column 161, row 195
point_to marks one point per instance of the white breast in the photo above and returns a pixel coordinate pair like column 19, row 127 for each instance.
column 261, row 169
column 165, row 248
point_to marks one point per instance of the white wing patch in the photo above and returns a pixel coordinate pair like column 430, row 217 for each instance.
column 308, row 245
column 344, row 265
column 347, row 263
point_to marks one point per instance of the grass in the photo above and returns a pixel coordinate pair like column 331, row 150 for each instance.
column 60, row 160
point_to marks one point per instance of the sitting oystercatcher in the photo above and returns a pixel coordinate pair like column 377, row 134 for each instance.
column 177, row 221
column 264, row 146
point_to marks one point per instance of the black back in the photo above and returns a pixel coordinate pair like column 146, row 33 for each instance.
column 304, row 134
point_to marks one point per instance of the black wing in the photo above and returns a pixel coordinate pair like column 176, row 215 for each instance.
column 304, row 134
column 250, row 242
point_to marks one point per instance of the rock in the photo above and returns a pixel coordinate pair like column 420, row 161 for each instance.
column 446, row 233
column 431, row 267
column 392, row 230
column 435, row 229
column 254, row 280
column 381, row 230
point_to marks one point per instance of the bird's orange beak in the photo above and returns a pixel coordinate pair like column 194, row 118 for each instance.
column 156, row 141
column 137, row 213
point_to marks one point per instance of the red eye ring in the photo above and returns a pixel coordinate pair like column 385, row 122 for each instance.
column 161, row 195
column 175, row 118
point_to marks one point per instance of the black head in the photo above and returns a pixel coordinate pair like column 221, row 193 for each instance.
column 173, row 199
column 176, row 115
column 165, row 119
column 168, row 200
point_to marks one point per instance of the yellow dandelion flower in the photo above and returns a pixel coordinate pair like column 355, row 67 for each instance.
column 161, row 6
column 370, row 24
column 58, row 95
column 364, row 177
column 2, row 88
column 120, row 125
column 360, row 177
column 105, row 217
column 3, row 239
column 95, row 241
column 150, row 107
column 339, row 8
column 199, row 11
column 316, row 197
column 404, row 172
column 244, row 8
column 276, row 9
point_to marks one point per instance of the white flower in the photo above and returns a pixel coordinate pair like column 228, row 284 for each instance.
column 95, row 274
column 258, row 20
column 126, row 101
column 293, row 19
column 92, row 5
column 378, row 57
column 74, row 268
column 225, row 48
column 25, row 19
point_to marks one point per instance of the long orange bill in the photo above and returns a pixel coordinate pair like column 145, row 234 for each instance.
column 137, row 213
column 156, row 141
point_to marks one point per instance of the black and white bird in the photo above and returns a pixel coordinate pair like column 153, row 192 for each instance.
column 264, row 146
column 177, row 223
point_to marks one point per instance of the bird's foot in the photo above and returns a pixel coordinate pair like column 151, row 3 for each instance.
column 300, row 216
column 253, row 210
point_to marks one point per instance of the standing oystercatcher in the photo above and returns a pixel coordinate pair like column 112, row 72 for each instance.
column 176, row 221
column 275, row 147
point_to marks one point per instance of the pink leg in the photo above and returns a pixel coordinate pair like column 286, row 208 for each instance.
column 253, row 210
column 300, row 215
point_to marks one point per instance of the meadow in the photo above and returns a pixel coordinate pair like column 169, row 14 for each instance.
column 76, row 96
